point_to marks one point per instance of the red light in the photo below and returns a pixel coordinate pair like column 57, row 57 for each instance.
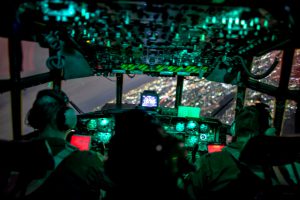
column 82, row 142
column 215, row 147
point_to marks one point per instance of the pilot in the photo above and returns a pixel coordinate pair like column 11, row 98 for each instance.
column 77, row 174
column 143, row 161
column 219, row 174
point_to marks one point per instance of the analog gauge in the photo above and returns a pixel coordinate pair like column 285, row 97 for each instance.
column 192, row 128
column 203, row 128
column 203, row 137
column 191, row 125
column 191, row 141
column 102, row 137
column 103, row 121
column 180, row 126
column 92, row 124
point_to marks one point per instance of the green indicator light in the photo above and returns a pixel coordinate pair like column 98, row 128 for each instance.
column 103, row 121
column 273, row 37
column 186, row 63
column 258, row 27
column 77, row 18
column 266, row 23
column 108, row 43
column 256, row 20
column 229, row 26
column 237, row 21
column 243, row 22
column 172, row 27
column 202, row 37
column 127, row 19
column 83, row 11
column 87, row 16
column 223, row 20
column 214, row 20
column 73, row 33
column 207, row 19
column 230, row 20
column 58, row 18
column 251, row 23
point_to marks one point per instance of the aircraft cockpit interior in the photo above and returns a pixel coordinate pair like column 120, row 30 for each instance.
column 192, row 64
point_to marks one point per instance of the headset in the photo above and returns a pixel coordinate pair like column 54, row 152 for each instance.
column 264, row 119
column 43, row 110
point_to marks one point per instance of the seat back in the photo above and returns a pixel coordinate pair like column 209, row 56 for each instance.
column 279, row 158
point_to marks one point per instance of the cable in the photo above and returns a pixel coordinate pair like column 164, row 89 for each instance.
column 76, row 107
column 110, row 79
column 55, row 62
column 131, row 76
column 259, row 76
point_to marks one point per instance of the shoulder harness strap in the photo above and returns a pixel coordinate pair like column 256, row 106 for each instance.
column 58, row 158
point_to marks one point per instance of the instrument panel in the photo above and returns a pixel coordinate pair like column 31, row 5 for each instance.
column 195, row 132
column 99, row 127
column 161, row 38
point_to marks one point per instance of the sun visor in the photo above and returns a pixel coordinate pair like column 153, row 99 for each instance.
column 75, row 65
column 224, row 75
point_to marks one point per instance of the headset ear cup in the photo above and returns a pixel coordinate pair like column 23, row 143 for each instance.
column 70, row 118
column 66, row 119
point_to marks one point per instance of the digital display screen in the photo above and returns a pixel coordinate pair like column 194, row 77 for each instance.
column 215, row 147
column 149, row 101
column 82, row 142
